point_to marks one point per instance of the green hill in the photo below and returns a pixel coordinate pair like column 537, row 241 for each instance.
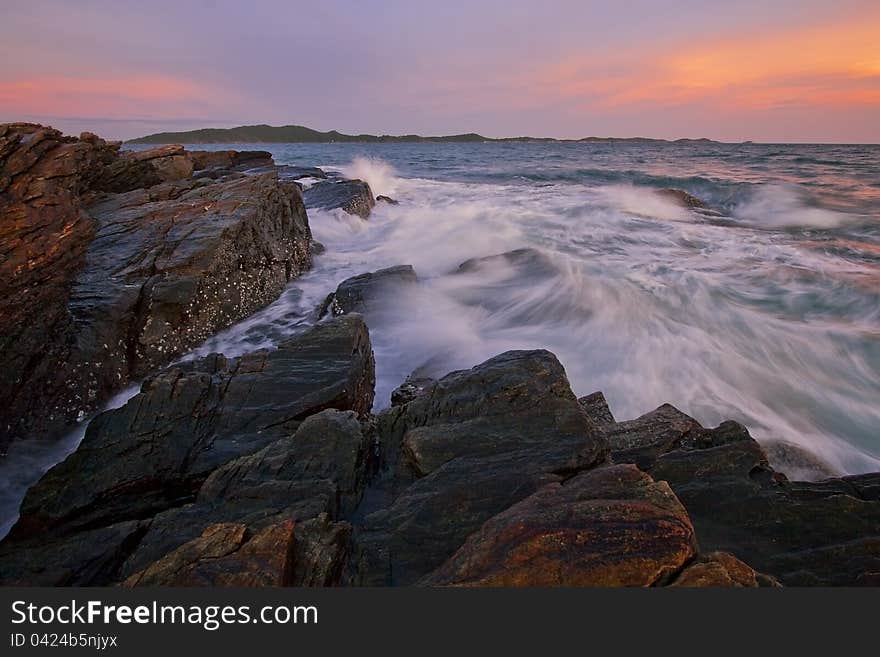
column 267, row 134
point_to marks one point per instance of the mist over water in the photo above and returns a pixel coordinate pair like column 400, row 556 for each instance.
column 766, row 311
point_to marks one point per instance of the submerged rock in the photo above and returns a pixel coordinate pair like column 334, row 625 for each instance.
column 387, row 199
column 353, row 196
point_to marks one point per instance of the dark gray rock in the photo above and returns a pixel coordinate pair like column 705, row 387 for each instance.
column 352, row 196
column 359, row 293
column 597, row 408
column 156, row 451
column 387, row 199
column 468, row 447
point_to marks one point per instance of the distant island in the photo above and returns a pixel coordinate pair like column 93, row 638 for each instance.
column 286, row 134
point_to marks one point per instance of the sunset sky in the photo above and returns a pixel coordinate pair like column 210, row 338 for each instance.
column 762, row 70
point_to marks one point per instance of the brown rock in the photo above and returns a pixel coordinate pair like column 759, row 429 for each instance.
column 613, row 526
column 226, row 555
column 720, row 569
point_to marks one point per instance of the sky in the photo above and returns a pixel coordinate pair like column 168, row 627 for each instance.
column 761, row 70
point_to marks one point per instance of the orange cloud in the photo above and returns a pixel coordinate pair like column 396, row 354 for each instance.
column 109, row 97
column 835, row 65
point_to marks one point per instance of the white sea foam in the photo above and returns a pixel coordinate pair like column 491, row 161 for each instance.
column 783, row 206
column 377, row 173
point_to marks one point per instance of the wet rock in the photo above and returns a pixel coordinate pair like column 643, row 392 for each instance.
column 156, row 451
column 44, row 235
column 681, row 197
column 797, row 462
column 124, row 281
column 612, row 526
column 359, row 293
column 387, row 199
column 468, row 447
column 526, row 261
column 642, row 440
column 353, row 196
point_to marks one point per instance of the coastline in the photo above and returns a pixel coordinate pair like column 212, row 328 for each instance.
column 424, row 492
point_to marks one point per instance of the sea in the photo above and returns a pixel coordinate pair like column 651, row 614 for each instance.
column 764, row 309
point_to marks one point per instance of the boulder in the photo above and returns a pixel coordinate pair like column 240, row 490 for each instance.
column 387, row 199
column 611, row 526
column 471, row 445
column 353, row 196
column 597, row 408
column 412, row 387
column 802, row 533
column 156, row 451
column 359, row 293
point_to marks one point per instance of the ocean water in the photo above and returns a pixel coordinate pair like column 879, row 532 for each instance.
column 766, row 311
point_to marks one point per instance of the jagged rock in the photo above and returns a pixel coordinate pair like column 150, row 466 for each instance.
column 358, row 293
column 467, row 448
column 387, row 199
column 411, row 388
column 822, row 533
column 124, row 282
column 44, row 235
column 226, row 555
column 352, row 196
column 318, row 472
column 597, row 408
column 612, row 526
column 156, row 451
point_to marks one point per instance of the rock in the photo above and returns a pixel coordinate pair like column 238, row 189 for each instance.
column 83, row 559
column 820, row 533
column 681, row 197
column 155, row 452
column 226, row 555
column 721, row 569
column 44, row 235
column 410, row 389
column 353, row 196
column 612, row 526
column 387, row 199
column 232, row 160
column 642, row 440
column 525, row 261
column 468, row 447
column 289, row 172
column 797, row 462
column 359, row 293
column 597, row 408
column 125, row 282
column 318, row 472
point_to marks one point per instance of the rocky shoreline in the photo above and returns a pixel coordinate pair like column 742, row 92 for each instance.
column 271, row 469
